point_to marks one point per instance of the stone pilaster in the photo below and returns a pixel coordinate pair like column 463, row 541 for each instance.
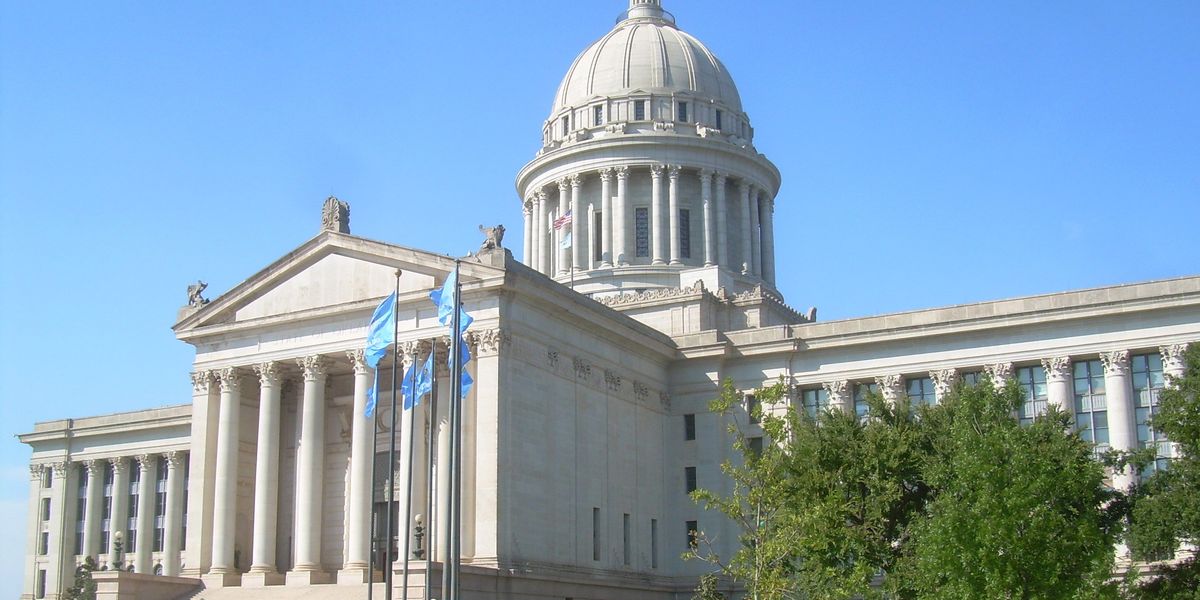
column 1173, row 359
column 755, row 233
column 891, row 387
column 722, row 223
column 147, row 473
column 202, row 461
column 527, row 251
column 999, row 374
column 767, row 226
column 539, row 231
column 564, row 205
column 747, row 266
column 576, row 242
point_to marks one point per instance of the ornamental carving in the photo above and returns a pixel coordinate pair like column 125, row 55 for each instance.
column 94, row 467
column 201, row 380
column 838, row 390
column 527, row 206
column 175, row 459
column 60, row 469
column 37, row 471
column 612, row 381
column 358, row 359
column 944, row 381
column 146, row 462
column 665, row 400
column 605, row 174
column 1057, row 368
column 551, row 358
column 640, row 391
column 652, row 294
column 493, row 238
column 564, row 184
column 664, row 126
column 673, row 172
column 622, row 173
column 335, row 215
column 656, row 171
column 489, row 341
column 269, row 375
column 229, row 379
column 705, row 175
column 119, row 466
column 541, row 196
column 999, row 373
column 1115, row 363
column 195, row 292
column 576, row 179
column 890, row 386
column 1172, row 357
column 314, row 367
column 582, row 369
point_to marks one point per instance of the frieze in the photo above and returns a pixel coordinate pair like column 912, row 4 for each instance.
column 652, row 294
column 583, row 370
column 551, row 358
column 612, row 381
column 640, row 391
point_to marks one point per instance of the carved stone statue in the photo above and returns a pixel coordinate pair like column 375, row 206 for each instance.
column 335, row 215
column 493, row 236
column 195, row 297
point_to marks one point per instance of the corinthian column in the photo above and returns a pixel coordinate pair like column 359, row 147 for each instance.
column 225, row 499
column 606, row 218
column 539, row 230
column 145, row 513
column 658, row 246
column 362, row 451
column 747, row 248
column 309, row 480
column 767, row 223
column 722, row 224
column 201, row 470
column 266, row 479
column 120, row 500
column 93, row 506
column 576, row 182
column 755, row 234
column 1122, row 426
column 564, row 205
column 1058, row 383
column 673, row 212
column 527, row 211
column 173, row 518
column 621, row 219
column 839, row 395
column 710, row 246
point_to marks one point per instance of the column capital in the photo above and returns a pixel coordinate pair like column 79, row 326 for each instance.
column 1172, row 357
column 94, row 466
column 576, row 179
column 268, row 373
column 201, row 380
column 605, row 173
column 622, row 173
column 489, row 341
column 358, row 358
column 146, row 462
column 314, row 367
column 527, row 206
column 60, row 468
column 1116, row 363
column 37, row 471
column 673, row 171
column 174, row 458
column 119, row 465
column 564, row 184
column 656, row 171
column 230, row 379
column 540, row 195
column 1000, row 373
column 944, row 381
column 1057, row 368
column 836, row 389
column 705, row 174
column 721, row 176
column 891, row 386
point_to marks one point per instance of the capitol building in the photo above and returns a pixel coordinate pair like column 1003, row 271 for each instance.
column 642, row 274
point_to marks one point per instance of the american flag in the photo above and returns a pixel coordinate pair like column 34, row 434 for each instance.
column 563, row 221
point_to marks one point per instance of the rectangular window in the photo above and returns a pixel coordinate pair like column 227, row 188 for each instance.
column 639, row 110
column 625, row 538
column 597, row 116
column 595, row 534
column 753, row 409
column 970, row 378
column 44, row 544
column 1091, row 404
column 682, row 113
column 45, row 509
column 160, row 503
column 685, row 233
column 597, row 236
column 183, row 520
column 566, row 125
column 40, row 591
column 135, row 478
column 689, row 427
column 106, row 516
column 47, row 477
column 1148, row 381
column 920, row 391
column 693, row 533
column 755, row 444
column 80, row 509
column 861, row 391
column 1033, row 381
column 689, row 478
column 641, row 231
column 653, row 543
column 815, row 401
column 719, row 124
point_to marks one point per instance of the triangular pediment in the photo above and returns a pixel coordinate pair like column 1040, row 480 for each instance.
column 329, row 271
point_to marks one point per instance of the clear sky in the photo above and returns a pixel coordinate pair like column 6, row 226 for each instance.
column 932, row 153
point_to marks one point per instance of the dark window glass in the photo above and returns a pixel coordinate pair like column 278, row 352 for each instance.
column 653, row 543
column 689, row 427
column 756, row 445
column 1091, row 404
column 566, row 125
column 641, row 231
column 685, row 233
column 693, row 531
column 970, row 378
column 625, row 538
column 40, row 592
column 47, row 477
column 1148, row 381
column 683, row 113
column 1033, row 381
column 45, row 509
column 815, row 401
column 44, row 544
column 597, row 116
column 689, row 476
column 753, row 408
column 861, row 391
column 595, row 534
column 639, row 110
column 920, row 391
column 719, row 124
column 597, row 238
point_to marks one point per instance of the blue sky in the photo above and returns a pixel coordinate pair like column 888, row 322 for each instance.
column 932, row 154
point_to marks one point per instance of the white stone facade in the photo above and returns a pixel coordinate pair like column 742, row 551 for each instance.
column 590, row 405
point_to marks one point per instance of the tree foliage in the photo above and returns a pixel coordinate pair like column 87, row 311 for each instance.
column 84, row 587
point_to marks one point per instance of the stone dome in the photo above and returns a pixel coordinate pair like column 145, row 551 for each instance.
column 646, row 52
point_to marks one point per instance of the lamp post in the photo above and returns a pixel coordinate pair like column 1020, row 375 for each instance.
column 118, row 543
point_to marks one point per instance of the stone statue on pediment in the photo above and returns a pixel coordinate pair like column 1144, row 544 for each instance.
column 195, row 293
column 493, row 238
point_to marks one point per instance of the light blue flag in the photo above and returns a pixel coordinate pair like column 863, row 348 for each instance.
column 444, row 300
column 465, row 356
column 418, row 384
column 381, row 332
column 372, row 394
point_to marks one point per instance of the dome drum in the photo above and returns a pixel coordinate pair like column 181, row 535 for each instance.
column 643, row 112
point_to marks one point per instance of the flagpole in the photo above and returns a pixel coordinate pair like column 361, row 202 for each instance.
column 391, row 489
column 412, row 419
column 371, row 527
column 429, row 487
column 456, row 430
column 448, row 537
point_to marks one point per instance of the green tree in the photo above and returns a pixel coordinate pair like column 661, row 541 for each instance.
column 1017, row 511
column 84, row 587
column 1166, row 507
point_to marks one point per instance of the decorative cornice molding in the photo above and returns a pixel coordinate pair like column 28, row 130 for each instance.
column 230, row 380
column 268, row 373
column 314, row 367
column 652, row 294
column 1116, row 363
column 1058, row 368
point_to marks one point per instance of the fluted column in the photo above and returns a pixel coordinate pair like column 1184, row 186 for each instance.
column 576, row 246
column 266, row 474
column 225, row 499
column 145, row 512
column 1122, row 426
column 564, row 204
column 710, row 244
column 622, row 221
column 722, row 224
column 1059, row 390
column 755, row 233
column 999, row 373
column 362, row 451
column 944, row 381
column 606, row 218
column 539, row 228
column 527, row 251
column 891, row 387
column 309, row 480
column 747, row 266
column 658, row 245
column 839, row 395
column 767, row 225
column 173, row 518
column 93, row 506
column 119, row 517
column 673, row 211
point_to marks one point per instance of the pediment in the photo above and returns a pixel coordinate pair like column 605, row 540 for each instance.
column 329, row 271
